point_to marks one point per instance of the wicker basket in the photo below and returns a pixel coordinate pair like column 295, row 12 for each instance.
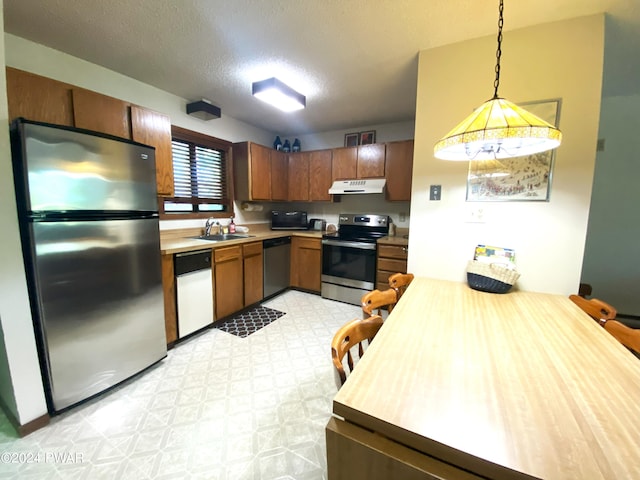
column 490, row 277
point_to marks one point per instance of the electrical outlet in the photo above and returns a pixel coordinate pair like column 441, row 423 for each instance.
column 434, row 192
column 403, row 216
column 476, row 215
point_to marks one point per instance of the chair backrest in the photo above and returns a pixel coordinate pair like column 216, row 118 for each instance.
column 629, row 337
column 378, row 299
column 350, row 334
column 584, row 290
column 605, row 314
column 596, row 309
column 399, row 282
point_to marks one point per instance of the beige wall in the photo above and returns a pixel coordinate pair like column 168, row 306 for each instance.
column 558, row 60
column 20, row 381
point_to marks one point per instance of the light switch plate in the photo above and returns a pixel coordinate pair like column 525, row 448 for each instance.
column 435, row 192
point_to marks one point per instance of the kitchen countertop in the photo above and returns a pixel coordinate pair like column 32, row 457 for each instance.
column 399, row 240
column 169, row 246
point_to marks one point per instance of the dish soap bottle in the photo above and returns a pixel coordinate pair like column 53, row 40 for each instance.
column 232, row 226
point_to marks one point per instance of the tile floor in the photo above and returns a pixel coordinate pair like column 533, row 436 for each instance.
column 218, row 407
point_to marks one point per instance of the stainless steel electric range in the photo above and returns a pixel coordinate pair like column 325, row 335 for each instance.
column 349, row 256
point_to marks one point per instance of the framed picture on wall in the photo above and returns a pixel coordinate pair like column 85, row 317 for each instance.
column 351, row 139
column 367, row 138
column 525, row 178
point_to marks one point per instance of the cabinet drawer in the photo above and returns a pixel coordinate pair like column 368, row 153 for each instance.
column 226, row 253
column 312, row 243
column 393, row 251
column 250, row 249
column 392, row 265
column 382, row 277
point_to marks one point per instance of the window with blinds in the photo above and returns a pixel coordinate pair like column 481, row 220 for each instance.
column 200, row 175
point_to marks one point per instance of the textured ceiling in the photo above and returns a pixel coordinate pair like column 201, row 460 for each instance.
column 355, row 60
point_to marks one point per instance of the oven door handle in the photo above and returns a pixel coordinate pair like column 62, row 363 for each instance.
column 340, row 243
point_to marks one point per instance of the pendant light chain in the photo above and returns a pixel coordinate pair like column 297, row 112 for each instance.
column 498, row 128
column 496, row 82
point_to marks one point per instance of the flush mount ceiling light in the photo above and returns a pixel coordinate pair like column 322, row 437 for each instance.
column 276, row 93
column 498, row 128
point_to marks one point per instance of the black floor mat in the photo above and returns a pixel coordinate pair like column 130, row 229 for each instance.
column 246, row 323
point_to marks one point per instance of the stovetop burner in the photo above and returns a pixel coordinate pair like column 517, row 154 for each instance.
column 360, row 228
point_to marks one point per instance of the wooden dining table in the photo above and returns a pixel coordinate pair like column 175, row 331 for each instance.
column 463, row 384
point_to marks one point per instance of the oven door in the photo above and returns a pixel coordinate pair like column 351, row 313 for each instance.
column 352, row 264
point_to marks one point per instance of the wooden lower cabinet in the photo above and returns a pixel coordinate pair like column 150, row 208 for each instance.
column 253, row 272
column 391, row 259
column 169, row 294
column 306, row 263
column 229, row 285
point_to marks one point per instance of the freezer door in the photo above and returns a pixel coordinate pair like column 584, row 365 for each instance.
column 70, row 170
column 99, row 294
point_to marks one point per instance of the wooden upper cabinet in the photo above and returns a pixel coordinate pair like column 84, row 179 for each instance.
column 101, row 113
column 299, row 177
column 279, row 175
column 344, row 163
column 260, row 172
column 38, row 98
column 320, row 175
column 371, row 161
column 399, row 169
column 153, row 128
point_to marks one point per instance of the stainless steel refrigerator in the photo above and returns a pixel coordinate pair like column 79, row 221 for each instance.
column 88, row 218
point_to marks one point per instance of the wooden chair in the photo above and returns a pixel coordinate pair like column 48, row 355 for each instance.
column 584, row 290
column 377, row 300
column 605, row 314
column 352, row 333
column 596, row 309
column 399, row 282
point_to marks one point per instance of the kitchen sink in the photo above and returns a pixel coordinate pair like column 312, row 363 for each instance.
column 221, row 237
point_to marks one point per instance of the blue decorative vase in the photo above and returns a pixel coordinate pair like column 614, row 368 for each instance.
column 296, row 146
column 287, row 146
column 277, row 144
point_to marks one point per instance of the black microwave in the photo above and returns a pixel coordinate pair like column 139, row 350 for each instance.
column 281, row 220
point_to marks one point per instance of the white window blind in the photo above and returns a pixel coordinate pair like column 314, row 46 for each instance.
column 199, row 172
column 200, row 179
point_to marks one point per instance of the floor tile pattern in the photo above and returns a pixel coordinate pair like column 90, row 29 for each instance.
column 218, row 407
column 246, row 323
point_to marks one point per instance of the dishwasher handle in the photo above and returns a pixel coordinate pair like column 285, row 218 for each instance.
column 276, row 242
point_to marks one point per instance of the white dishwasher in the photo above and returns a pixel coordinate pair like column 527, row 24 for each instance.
column 194, row 291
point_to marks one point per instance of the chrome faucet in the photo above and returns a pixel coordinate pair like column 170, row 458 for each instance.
column 207, row 226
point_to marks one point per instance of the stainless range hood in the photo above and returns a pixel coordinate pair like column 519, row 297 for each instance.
column 367, row 185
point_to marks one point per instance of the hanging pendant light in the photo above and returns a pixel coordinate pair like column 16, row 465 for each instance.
column 498, row 128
